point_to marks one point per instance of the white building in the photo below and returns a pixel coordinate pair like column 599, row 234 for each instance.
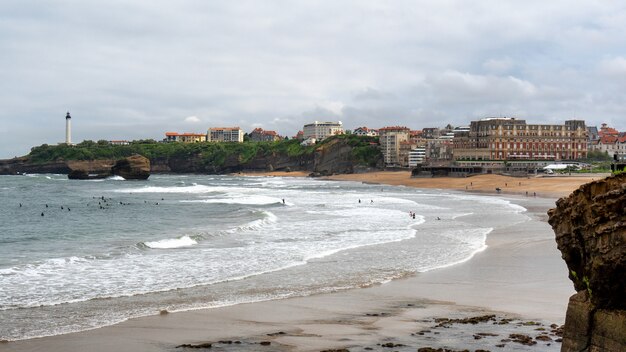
column 321, row 130
column 417, row 156
column 364, row 131
column 225, row 134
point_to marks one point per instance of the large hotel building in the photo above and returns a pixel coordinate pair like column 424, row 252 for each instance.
column 493, row 139
column 225, row 134
column 321, row 130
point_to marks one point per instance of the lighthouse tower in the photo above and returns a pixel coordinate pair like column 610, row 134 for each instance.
column 68, row 129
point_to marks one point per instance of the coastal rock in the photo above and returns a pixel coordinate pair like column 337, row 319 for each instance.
column 134, row 167
column 87, row 170
column 23, row 165
column 590, row 228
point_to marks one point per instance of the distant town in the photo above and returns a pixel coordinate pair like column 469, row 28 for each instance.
column 485, row 145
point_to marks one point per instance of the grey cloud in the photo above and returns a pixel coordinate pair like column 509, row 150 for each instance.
column 137, row 69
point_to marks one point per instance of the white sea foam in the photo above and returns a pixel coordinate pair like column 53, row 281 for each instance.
column 184, row 241
column 247, row 200
column 268, row 218
column 195, row 189
column 116, row 178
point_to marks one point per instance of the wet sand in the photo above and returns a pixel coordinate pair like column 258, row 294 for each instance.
column 547, row 186
column 519, row 276
column 540, row 186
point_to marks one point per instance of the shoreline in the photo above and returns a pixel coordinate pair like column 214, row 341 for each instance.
column 363, row 316
column 544, row 186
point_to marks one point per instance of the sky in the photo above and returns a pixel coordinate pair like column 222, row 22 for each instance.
column 136, row 69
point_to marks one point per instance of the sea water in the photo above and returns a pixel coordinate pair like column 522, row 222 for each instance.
column 77, row 255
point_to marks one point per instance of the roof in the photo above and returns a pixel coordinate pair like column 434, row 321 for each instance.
column 186, row 134
column 224, row 128
column 395, row 128
column 612, row 139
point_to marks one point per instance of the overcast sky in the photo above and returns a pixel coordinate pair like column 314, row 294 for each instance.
column 136, row 69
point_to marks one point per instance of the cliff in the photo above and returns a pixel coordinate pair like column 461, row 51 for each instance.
column 340, row 154
column 590, row 228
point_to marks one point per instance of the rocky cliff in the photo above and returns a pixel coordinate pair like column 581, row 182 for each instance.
column 590, row 228
column 23, row 165
column 331, row 157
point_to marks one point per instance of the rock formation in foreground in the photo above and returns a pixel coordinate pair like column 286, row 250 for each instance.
column 590, row 228
column 134, row 167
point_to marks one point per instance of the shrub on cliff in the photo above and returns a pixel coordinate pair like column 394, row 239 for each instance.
column 365, row 150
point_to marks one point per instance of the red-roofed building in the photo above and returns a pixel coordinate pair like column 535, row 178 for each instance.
column 260, row 135
column 364, row 131
column 184, row 137
column 605, row 130
column 611, row 141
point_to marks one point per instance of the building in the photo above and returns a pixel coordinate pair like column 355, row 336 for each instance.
column 184, row 137
column 405, row 150
column 509, row 139
column 390, row 139
column 430, row 132
column 119, row 142
column 259, row 135
column 225, row 134
column 613, row 145
column 364, row 131
column 417, row 156
column 439, row 149
column 593, row 136
column 322, row 130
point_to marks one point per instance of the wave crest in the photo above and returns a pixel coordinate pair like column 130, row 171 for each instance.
column 169, row 243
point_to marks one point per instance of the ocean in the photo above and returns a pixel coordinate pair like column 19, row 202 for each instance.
column 77, row 255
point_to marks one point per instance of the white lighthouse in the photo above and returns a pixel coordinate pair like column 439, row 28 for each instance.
column 68, row 129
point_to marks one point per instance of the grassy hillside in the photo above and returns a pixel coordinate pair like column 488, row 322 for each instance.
column 365, row 150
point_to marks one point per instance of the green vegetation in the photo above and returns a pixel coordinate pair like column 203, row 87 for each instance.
column 597, row 155
column 365, row 150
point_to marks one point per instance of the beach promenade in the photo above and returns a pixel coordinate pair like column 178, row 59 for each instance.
column 519, row 278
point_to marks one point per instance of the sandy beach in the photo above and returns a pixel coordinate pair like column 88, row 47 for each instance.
column 520, row 279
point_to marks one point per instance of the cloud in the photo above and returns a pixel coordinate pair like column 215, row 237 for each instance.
column 132, row 69
column 454, row 86
column 613, row 67
column 498, row 66
column 192, row 119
